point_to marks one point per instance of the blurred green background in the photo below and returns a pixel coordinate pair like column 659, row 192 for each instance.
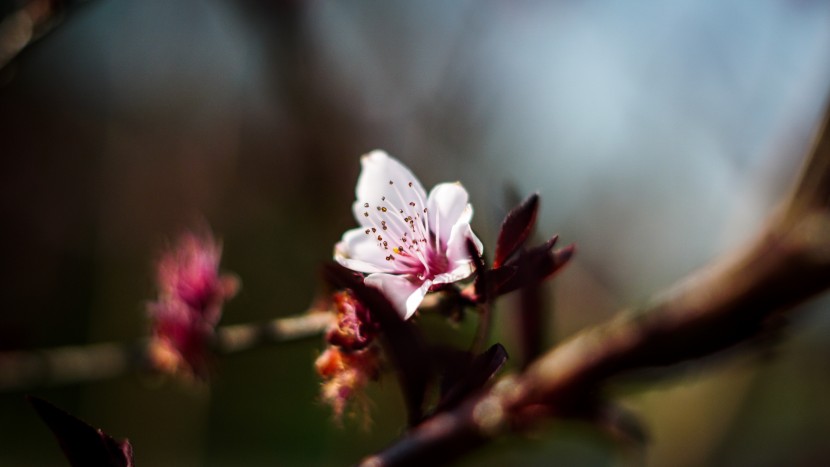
column 659, row 134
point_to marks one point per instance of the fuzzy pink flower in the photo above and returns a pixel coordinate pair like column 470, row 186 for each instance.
column 408, row 242
column 191, row 295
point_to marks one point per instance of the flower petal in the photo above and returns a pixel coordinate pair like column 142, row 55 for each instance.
column 383, row 176
column 460, row 264
column 360, row 252
column 447, row 204
column 362, row 214
column 460, row 232
column 402, row 292
column 407, row 240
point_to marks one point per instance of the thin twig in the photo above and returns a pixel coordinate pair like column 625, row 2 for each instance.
column 721, row 306
column 243, row 337
column 21, row 370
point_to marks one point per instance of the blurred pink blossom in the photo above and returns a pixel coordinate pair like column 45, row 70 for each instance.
column 191, row 295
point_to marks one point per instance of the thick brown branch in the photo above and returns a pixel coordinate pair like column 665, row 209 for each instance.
column 95, row 362
column 813, row 188
column 719, row 307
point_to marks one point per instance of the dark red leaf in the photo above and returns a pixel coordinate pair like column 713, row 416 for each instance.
column 82, row 444
column 515, row 228
column 453, row 363
column 533, row 266
column 496, row 280
column 475, row 377
column 402, row 342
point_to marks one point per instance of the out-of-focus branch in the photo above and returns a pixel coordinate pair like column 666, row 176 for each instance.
column 812, row 192
column 243, row 337
column 723, row 305
column 20, row 28
column 81, row 364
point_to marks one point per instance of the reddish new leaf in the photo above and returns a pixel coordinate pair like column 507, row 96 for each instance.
column 532, row 266
column 82, row 444
column 515, row 229
column 492, row 282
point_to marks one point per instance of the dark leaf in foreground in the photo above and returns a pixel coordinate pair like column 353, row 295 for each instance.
column 515, row 228
column 478, row 373
column 532, row 266
column 452, row 364
column 403, row 344
column 82, row 444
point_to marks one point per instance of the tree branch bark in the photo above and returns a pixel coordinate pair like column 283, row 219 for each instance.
column 82, row 364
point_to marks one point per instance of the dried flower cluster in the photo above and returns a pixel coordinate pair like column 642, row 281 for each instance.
column 352, row 359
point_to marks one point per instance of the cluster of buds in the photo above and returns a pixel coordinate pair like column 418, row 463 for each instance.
column 189, row 305
column 351, row 360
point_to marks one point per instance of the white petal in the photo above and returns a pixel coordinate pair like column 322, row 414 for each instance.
column 403, row 293
column 460, row 232
column 460, row 262
column 362, row 214
column 461, row 271
column 373, row 184
column 360, row 252
column 447, row 204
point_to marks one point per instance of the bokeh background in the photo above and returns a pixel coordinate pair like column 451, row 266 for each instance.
column 658, row 133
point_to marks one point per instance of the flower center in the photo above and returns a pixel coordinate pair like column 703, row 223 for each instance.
column 399, row 222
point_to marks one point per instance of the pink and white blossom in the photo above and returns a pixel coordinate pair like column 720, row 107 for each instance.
column 408, row 241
